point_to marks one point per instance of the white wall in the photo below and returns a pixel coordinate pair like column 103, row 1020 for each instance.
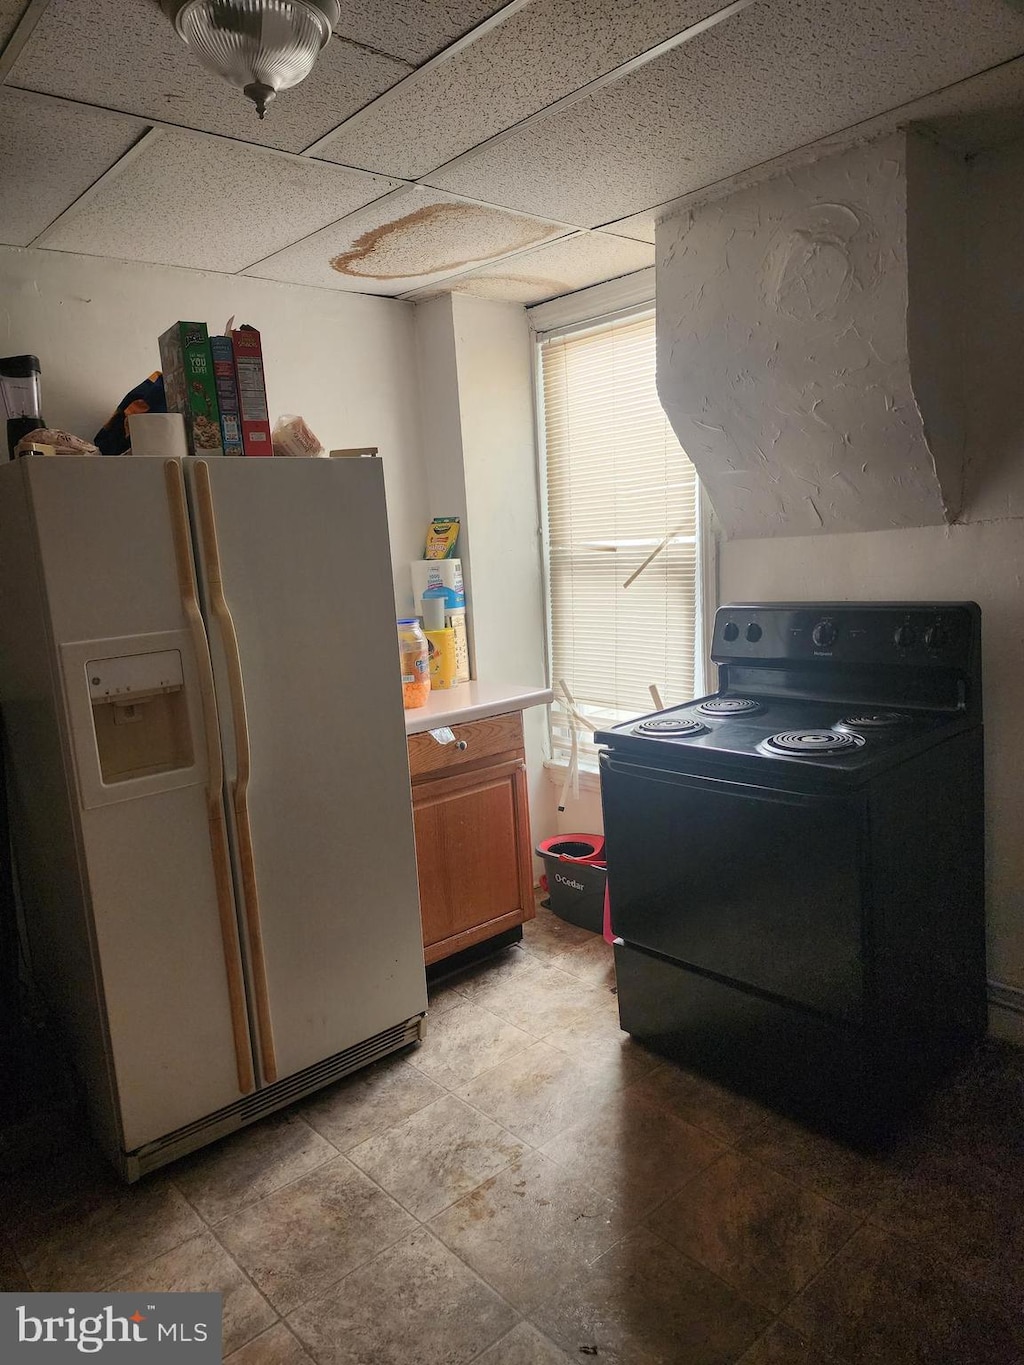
column 477, row 399
column 981, row 559
column 344, row 362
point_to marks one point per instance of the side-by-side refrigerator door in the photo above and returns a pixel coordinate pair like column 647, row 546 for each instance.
column 295, row 573
column 143, row 746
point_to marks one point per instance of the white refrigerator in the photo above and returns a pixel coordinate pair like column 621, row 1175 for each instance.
column 210, row 788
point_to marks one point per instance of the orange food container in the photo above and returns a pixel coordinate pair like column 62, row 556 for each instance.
column 415, row 660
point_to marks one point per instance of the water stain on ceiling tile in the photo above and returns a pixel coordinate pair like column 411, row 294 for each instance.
column 427, row 241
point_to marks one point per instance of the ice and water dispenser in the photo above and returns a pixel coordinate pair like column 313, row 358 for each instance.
column 139, row 714
column 135, row 714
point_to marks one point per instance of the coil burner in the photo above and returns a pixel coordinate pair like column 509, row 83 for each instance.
column 724, row 707
column 813, row 742
column 874, row 720
column 668, row 727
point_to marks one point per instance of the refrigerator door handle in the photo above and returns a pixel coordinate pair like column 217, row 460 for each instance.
column 240, row 784
column 215, row 777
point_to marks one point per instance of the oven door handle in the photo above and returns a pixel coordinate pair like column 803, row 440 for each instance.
column 713, row 785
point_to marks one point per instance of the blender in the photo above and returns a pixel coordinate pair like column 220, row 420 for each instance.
column 19, row 391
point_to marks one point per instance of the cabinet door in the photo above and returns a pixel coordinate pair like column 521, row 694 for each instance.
column 473, row 854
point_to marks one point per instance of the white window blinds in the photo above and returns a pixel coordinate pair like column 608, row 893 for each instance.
column 621, row 494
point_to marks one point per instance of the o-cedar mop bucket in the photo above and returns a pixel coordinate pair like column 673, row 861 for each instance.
column 576, row 875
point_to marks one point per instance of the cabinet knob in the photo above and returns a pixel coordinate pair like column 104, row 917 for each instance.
column 461, row 744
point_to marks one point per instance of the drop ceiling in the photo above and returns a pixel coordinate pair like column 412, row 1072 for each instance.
column 513, row 151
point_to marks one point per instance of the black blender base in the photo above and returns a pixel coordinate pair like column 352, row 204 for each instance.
column 839, row 1080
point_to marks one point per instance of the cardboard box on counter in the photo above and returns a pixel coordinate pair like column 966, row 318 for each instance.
column 439, row 573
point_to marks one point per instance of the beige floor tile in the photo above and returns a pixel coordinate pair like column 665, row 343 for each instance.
column 531, row 995
column 276, row 1347
column 978, row 1113
column 414, row 1304
column 12, row 1278
column 504, row 966
column 363, row 1105
column 303, row 1238
column 819, row 1163
column 529, row 1228
column 31, row 1199
column 466, row 1040
column 598, row 1034
column 442, row 994
column 102, row 1233
column 643, row 1303
column 886, row 1301
column 437, row 1156
column 724, row 1113
column 636, row 1152
column 761, row 1233
column 250, row 1164
column 780, row 1345
column 201, row 1265
column 593, row 962
column 971, row 1213
column 549, row 938
column 542, row 1091
column 524, row 1345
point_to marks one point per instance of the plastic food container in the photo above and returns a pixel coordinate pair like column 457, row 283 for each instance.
column 415, row 659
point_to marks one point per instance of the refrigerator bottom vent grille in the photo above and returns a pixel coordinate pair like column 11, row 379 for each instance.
column 269, row 1099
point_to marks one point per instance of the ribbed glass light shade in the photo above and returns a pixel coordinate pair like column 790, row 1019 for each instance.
column 261, row 46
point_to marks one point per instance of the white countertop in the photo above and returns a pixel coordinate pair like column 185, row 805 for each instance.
column 473, row 701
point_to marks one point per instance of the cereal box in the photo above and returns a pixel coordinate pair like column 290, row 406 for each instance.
column 252, row 391
column 223, row 352
column 190, row 386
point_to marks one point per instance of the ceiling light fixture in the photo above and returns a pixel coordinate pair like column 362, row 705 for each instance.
column 260, row 46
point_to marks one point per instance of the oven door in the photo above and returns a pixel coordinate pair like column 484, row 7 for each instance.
column 762, row 887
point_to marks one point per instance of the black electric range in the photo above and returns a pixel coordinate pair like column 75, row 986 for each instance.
column 795, row 863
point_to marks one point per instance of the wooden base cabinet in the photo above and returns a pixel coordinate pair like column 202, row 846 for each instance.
column 472, row 823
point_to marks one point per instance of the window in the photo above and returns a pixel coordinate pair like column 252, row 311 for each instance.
column 621, row 531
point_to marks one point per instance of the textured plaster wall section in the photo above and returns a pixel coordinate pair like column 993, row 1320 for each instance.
column 981, row 558
column 783, row 356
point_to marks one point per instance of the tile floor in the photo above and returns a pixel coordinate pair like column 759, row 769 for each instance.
column 531, row 1187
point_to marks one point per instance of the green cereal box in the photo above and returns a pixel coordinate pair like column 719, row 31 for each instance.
column 190, row 385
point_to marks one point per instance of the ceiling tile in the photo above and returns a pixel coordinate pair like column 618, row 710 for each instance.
column 987, row 114
column 10, row 12
column 413, row 29
column 769, row 79
column 974, row 115
column 412, row 238
column 50, row 153
column 639, row 226
column 564, row 266
column 209, row 204
column 127, row 57
column 521, row 65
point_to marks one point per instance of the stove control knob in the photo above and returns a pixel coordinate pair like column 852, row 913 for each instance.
column 935, row 636
column 905, row 636
column 731, row 631
column 824, row 634
column 754, row 632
